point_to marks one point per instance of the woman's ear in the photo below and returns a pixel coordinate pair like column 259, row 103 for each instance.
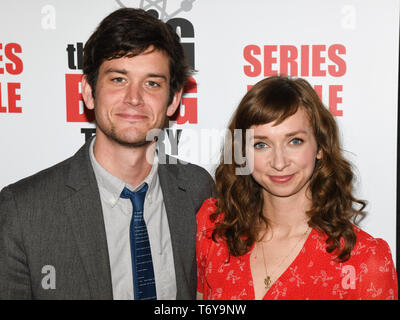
column 319, row 154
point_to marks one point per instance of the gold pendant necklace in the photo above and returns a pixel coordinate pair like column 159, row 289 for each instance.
column 268, row 278
column 267, row 282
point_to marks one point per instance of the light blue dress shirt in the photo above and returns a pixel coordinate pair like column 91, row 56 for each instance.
column 117, row 214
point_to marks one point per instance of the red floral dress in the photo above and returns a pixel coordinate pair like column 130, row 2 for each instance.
column 368, row 274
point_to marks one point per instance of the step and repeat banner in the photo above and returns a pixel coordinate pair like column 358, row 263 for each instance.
column 348, row 50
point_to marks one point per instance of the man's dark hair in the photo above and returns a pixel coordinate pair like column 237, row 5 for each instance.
column 129, row 32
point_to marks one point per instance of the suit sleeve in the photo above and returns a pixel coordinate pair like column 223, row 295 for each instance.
column 14, row 272
column 204, row 187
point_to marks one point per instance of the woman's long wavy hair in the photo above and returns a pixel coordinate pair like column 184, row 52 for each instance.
column 333, row 206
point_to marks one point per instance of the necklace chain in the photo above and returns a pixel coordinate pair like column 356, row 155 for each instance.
column 268, row 278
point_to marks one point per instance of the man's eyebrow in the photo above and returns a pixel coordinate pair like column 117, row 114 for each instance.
column 113, row 70
column 157, row 75
column 125, row 72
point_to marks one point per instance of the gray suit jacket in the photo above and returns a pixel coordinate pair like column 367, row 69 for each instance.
column 54, row 218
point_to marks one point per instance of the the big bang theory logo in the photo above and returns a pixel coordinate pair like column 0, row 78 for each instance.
column 301, row 61
column 76, row 111
column 10, row 64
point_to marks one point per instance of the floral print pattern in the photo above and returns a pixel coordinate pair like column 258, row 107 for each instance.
column 313, row 275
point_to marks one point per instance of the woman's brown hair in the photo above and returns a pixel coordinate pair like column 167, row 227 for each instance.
column 240, row 198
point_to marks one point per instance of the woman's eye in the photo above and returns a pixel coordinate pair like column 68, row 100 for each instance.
column 296, row 141
column 260, row 145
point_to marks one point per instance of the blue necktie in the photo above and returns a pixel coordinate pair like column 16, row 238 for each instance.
column 142, row 264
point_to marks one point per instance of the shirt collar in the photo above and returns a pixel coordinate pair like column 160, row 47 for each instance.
column 111, row 186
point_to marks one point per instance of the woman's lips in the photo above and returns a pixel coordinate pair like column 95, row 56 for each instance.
column 281, row 179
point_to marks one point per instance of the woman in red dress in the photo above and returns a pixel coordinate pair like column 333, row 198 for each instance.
column 287, row 230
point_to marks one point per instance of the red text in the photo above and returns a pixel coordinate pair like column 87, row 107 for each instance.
column 11, row 64
column 308, row 60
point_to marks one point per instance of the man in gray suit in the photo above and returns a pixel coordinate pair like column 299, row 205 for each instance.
column 66, row 232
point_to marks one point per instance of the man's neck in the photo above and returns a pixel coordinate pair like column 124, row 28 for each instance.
column 130, row 164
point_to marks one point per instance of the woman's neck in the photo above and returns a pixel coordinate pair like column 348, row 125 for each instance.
column 286, row 216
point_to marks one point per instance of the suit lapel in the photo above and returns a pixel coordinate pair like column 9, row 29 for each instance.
column 85, row 214
column 182, row 224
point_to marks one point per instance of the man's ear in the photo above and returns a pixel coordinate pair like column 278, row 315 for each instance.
column 175, row 103
column 87, row 93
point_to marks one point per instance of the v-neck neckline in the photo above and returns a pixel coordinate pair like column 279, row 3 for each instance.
column 284, row 273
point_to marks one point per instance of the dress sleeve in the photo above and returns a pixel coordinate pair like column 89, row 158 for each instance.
column 378, row 278
column 203, row 241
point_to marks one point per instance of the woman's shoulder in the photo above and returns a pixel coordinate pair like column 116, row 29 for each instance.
column 208, row 207
column 368, row 244
column 366, row 247
column 366, row 240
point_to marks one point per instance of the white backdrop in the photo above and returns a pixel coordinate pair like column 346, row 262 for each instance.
column 348, row 49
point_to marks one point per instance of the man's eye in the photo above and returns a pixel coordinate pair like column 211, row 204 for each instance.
column 152, row 84
column 260, row 145
column 118, row 80
column 296, row 141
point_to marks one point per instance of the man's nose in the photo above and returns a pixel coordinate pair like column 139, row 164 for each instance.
column 134, row 95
